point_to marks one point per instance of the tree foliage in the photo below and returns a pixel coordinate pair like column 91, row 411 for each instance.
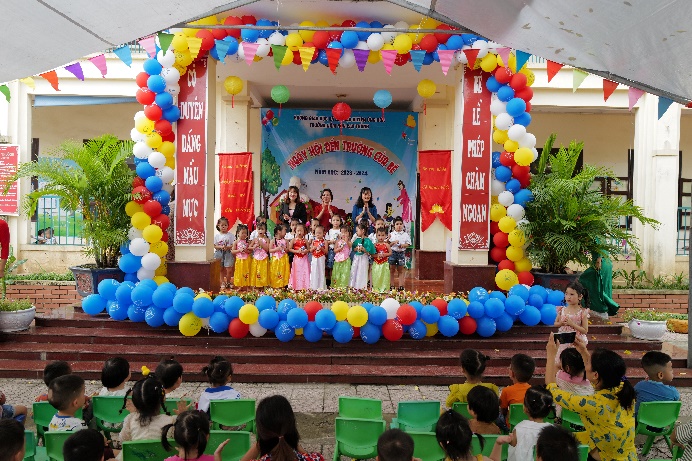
column 270, row 178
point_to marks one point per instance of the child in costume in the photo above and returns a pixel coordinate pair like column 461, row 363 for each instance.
column 241, row 251
column 362, row 248
column 341, row 272
column 380, row 268
column 259, row 273
column 399, row 239
column 318, row 248
column 332, row 237
column 300, row 268
column 223, row 243
column 280, row 270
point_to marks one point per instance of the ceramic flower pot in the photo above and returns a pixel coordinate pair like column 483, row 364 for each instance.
column 647, row 329
column 16, row 320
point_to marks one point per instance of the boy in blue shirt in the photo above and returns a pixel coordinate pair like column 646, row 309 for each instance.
column 659, row 368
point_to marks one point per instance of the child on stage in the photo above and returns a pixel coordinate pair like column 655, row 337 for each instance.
column 332, row 237
column 341, row 272
column 318, row 248
column 380, row 268
column 362, row 247
column 279, row 269
column 241, row 251
column 259, row 273
column 399, row 240
column 300, row 268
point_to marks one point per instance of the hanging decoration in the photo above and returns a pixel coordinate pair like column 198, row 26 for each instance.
column 341, row 111
column 426, row 89
column 382, row 99
column 280, row 95
column 233, row 86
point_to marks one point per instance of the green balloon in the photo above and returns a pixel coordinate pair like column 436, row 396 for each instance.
column 280, row 94
column 275, row 121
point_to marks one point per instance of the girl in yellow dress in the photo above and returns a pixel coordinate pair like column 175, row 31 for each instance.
column 279, row 269
column 259, row 274
column 241, row 251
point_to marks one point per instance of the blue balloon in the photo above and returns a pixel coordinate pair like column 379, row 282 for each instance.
column 268, row 319
column 312, row 333
column 505, row 93
column 555, row 297
column 154, row 317
column 496, row 159
column 535, row 301
column 524, row 119
column 337, row 45
column 168, row 285
column 172, row 114
column 203, row 307
column 514, row 305
column 516, row 107
column 322, row 57
column 367, row 306
column 249, row 35
column 107, row 288
column 232, row 45
column 297, row 317
column 454, row 42
column 125, row 248
column 232, row 306
column 94, row 304
column 131, row 277
column 503, row 173
column 182, row 302
column 265, row 302
column 342, row 332
column 152, row 66
column 142, row 295
column 382, row 98
column 521, row 291
column 214, row 52
column 220, row 300
column 164, row 100
column 498, row 295
column 376, row 25
column 162, row 197
column 325, row 319
column 156, row 83
column 456, row 308
column 284, row 307
column 448, row 325
column 494, row 308
column 153, row 183
column 430, row 314
column 377, row 316
column 219, row 322
column 284, row 332
column 417, row 305
column 504, row 322
column 165, row 209
column 349, row 39
column 417, row 330
column 124, row 293
column 264, row 33
column 361, row 34
column 429, row 59
column 370, row 333
column 523, row 197
column 186, row 290
column 548, row 314
column 117, row 311
column 172, row 317
column 492, row 84
column 540, row 291
column 513, row 185
column 162, row 298
column 478, row 294
column 137, row 313
column 486, row 327
column 476, row 310
column 469, row 39
column 149, row 283
column 531, row 316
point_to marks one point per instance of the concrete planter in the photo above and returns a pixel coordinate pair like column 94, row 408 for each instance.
column 16, row 320
column 648, row 329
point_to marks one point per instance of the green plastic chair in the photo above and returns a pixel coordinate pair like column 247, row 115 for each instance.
column 107, row 409
column 356, row 438
column 29, row 446
column 583, row 452
column 516, row 414
column 572, row 421
column 677, row 454
column 660, row 415
column 488, row 444
column 360, row 408
column 233, row 413
column 149, row 450
column 425, row 446
column 235, row 449
column 416, row 416
column 54, row 442
column 43, row 413
column 463, row 408
column 172, row 404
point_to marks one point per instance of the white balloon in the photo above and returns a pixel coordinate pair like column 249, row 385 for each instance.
column 141, row 150
column 535, row 153
column 139, row 115
column 134, row 233
column 157, row 159
column 522, row 222
column 151, row 261
column 362, row 45
column 482, row 47
column 166, row 59
column 528, row 140
column 347, row 60
column 516, row 132
column 389, row 36
column 460, row 57
column 168, row 188
column 277, row 38
column 257, row 330
column 137, row 136
column 503, row 121
column 498, row 107
column 173, row 89
column 144, row 274
column 401, row 25
column 166, row 174
column 263, row 48
column 375, row 42
column 240, row 55
column 493, row 46
column 171, row 75
column 139, row 247
column 496, row 187
column 516, row 211
column 505, row 198
column 390, row 305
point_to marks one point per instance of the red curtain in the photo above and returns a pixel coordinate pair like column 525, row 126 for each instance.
column 235, row 176
column 435, row 187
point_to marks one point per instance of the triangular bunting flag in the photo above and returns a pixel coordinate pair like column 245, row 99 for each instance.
column 221, row 49
column 333, row 55
column 663, row 105
column 417, row 57
column 124, row 54
column 4, row 89
column 504, row 54
column 100, row 63
column 149, row 45
column 471, row 55
column 76, row 70
column 250, row 50
column 608, row 88
column 194, row 44
column 306, row 54
column 279, row 52
column 446, row 57
column 578, row 77
column 28, row 81
column 52, row 78
column 361, row 58
column 553, row 69
column 633, row 94
column 165, row 40
column 388, row 57
column 522, row 59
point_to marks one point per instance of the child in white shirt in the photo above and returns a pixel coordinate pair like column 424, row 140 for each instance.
column 399, row 240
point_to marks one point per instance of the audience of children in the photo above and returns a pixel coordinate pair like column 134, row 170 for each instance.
column 114, row 376
column 223, row 244
column 472, row 367
column 399, row 240
column 455, row 436
column 574, row 317
column 52, row 371
column 191, row 433
column 17, row 412
column 300, row 267
column 572, row 376
column 659, row 369
column 521, row 371
column 394, row 445
column 170, row 373
column 66, row 394
column 219, row 373
column 555, row 443
column 484, row 407
column 279, row 267
column 86, row 445
column 12, row 436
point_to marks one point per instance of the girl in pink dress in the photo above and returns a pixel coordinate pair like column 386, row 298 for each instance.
column 259, row 272
column 405, row 203
column 300, row 268
column 575, row 315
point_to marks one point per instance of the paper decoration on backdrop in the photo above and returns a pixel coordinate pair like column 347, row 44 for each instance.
column 504, row 52
column 222, row 49
column 388, row 58
column 522, row 58
column 361, row 58
column 633, row 94
column 553, row 68
column 194, row 44
column 663, row 105
column 471, row 56
column 149, row 45
column 100, row 62
column 28, row 81
column 417, row 57
column 4, row 89
column 306, row 54
column 578, row 77
column 124, row 54
column 446, row 57
column 279, row 51
column 333, row 56
column 52, row 78
column 608, row 88
column 165, row 40
column 76, row 70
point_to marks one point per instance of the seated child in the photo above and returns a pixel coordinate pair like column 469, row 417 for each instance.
column 114, row 375
column 394, row 445
column 659, row 369
column 454, row 435
column 219, row 373
column 521, row 371
column 556, row 443
column 17, row 412
column 86, row 445
column 191, row 433
column 484, row 406
column 12, row 436
column 66, row 394
column 170, row 373
column 52, row 371
column 472, row 367
column 572, row 376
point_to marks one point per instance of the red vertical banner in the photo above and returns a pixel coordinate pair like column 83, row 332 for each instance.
column 435, row 169
column 9, row 157
column 475, row 164
column 235, row 176
column 191, row 158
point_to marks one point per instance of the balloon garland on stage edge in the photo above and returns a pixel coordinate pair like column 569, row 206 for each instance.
column 147, row 295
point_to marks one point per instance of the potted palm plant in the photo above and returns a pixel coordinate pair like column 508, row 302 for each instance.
column 94, row 178
column 15, row 314
column 569, row 220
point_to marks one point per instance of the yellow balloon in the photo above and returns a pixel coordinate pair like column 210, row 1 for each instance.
column 426, row 88
column 374, row 57
column 159, row 248
column 233, row 85
column 293, row 41
column 152, row 233
column 507, row 224
column 530, row 76
column 415, row 36
column 306, row 35
column 288, row 58
column 162, row 269
column 497, row 212
column 132, row 207
column 160, row 279
column 322, row 23
column 431, row 329
column 523, row 265
column 153, row 140
column 340, row 309
column 184, row 58
column 514, row 253
column 489, row 62
column 170, row 163
column 516, row 238
column 493, row 200
column 180, row 68
column 190, row 324
column 167, row 148
column 140, row 220
column 513, row 62
column 410, row 121
column 523, row 156
column 203, row 294
column 248, row 314
column 190, row 32
column 207, row 21
column 179, row 42
column 357, row 316
column 144, row 125
column 428, row 23
column 500, row 136
column 403, row 43
column 511, row 146
column 299, row 332
column 506, row 279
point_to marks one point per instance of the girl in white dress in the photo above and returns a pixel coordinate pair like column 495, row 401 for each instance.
column 318, row 249
column 362, row 248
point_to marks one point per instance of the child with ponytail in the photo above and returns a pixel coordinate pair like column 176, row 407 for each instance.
column 191, row 433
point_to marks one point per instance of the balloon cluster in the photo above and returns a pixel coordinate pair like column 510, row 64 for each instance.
column 484, row 313
column 269, row 120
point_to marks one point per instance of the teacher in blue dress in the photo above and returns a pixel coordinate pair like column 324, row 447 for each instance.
column 364, row 209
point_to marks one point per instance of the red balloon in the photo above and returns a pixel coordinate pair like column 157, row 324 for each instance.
column 145, row 96
column 296, row 58
column 392, row 330
column 429, row 43
column 141, row 195
column 137, row 182
column 207, row 39
column 270, row 114
column 163, row 127
column 506, row 264
column 320, row 39
column 525, row 93
column 415, row 46
column 164, row 237
column 312, row 308
column 334, row 35
column 517, row 82
column 356, row 332
column 141, row 79
column 402, row 59
column 501, row 240
column 441, row 305
column 153, row 112
column 406, row 314
column 519, row 171
column 249, row 19
column 494, row 228
column 467, row 325
column 238, row 329
column 528, row 105
column 507, row 159
column 348, row 23
column 497, row 254
column 170, row 137
column 233, row 21
column 161, row 220
column 341, row 111
column 152, row 208
column 503, row 75
column 525, row 181
column 442, row 38
column 525, row 278
column 219, row 34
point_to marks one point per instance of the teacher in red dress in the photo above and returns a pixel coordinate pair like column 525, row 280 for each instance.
column 292, row 207
column 325, row 210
